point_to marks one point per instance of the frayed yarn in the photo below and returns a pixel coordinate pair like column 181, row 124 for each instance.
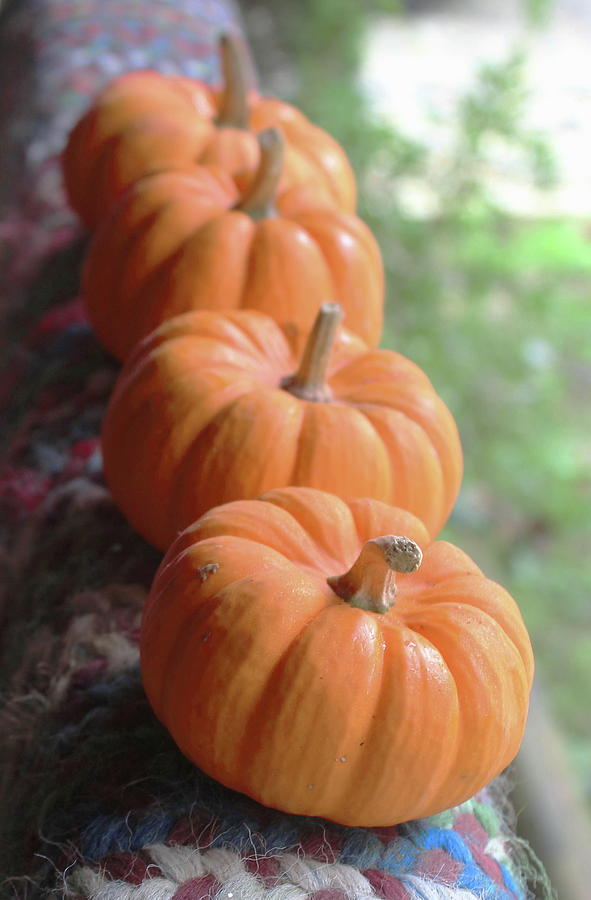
column 188, row 874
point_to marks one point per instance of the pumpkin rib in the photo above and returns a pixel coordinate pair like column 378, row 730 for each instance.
column 369, row 276
column 228, row 274
column 509, row 624
column 301, row 548
column 274, row 716
column 375, row 517
column 321, row 461
column 321, row 221
column 429, row 413
column 484, row 750
column 127, row 479
column 254, row 420
column 374, row 370
column 286, row 272
column 345, row 197
column 148, row 148
column 101, row 317
column 126, row 240
column 91, row 199
column 311, row 508
column 185, row 631
column 256, row 333
column 235, row 596
column 416, row 708
column 178, row 620
column 212, row 329
column 406, row 446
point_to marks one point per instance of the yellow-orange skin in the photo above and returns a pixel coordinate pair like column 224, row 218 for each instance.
column 175, row 243
column 145, row 122
column 198, row 418
column 279, row 689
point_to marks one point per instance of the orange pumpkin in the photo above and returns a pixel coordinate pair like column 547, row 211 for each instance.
column 181, row 241
column 298, row 651
column 145, row 122
column 216, row 407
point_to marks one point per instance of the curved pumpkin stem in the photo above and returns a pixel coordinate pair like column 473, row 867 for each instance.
column 233, row 112
column 370, row 583
column 309, row 382
column 259, row 201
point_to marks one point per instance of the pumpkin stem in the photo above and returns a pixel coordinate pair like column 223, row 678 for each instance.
column 259, row 201
column 309, row 382
column 233, row 111
column 370, row 583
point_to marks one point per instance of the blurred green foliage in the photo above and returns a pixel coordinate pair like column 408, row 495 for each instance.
column 496, row 309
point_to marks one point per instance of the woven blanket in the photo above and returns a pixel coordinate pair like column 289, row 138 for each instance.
column 98, row 802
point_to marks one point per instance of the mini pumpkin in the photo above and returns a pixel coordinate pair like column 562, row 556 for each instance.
column 145, row 122
column 181, row 241
column 214, row 407
column 299, row 651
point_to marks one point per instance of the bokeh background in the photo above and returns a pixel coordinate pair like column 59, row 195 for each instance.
column 468, row 123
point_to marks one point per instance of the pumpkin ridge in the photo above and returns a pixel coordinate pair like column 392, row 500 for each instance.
column 381, row 443
column 426, row 412
column 94, row 176
column 127, row 300
column 243, row 357
column 146, row 354
column 321, row 218
column 127, row 491
column 251, row 327
column 183, row 652
column 433, row 426
column 198, row 615
column 313, row 524
column 404, row 634
column 253, row 736
column 473, row 741
column 319, row 224
column 386, row 367
column 401, row 488
column 312, row 413
column 257, row 336
column 156, row 307
column 510, row 626
column 263, row 267
column 352, row 227
column 305, row 151
column 220, row 423
column 304, row 541
column 262, row 725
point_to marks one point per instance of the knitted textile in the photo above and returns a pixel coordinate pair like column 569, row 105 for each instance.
column 99, row 802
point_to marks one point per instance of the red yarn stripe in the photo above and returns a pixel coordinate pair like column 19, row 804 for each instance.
column 326, row 847
column 203, row 888
column 386, row 886
column 129, row 867
column 265, row 868
column 437, row 863
column 488, row 865
column 328, row 894
column 469, row 827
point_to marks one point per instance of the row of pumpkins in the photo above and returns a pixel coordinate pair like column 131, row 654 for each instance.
column 306, row 641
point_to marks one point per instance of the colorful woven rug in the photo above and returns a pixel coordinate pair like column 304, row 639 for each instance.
column 98, row 802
